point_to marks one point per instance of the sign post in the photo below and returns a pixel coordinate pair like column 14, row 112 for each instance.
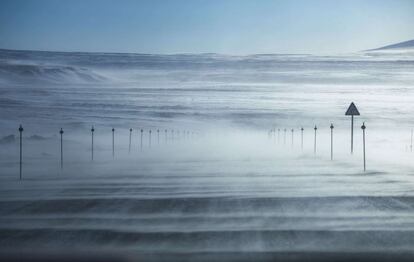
column 352, row 111
column 20, row 131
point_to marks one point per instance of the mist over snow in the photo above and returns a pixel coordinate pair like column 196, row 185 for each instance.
column 210, row 178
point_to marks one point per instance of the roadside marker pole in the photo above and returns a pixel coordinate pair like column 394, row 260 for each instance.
column 113, row 143
column 92, row 130
column 363, row 127
column 130, row 135
column 150, row 138
column 142, row 134
column 278, row 135
column 331, row 127
column 21, row 131
column 166, row 136
column 61, row 148
column 314, row 145
column 301, row 138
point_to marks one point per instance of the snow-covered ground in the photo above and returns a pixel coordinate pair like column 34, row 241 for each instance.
column 216, row 181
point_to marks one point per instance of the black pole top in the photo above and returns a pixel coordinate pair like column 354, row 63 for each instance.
column 92, row 129
column 332, row 126
column 20, row 129
column 61, row 131
column 363, row 126
column 315, row 128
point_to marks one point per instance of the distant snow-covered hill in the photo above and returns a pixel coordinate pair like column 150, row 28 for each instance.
column 402, row 45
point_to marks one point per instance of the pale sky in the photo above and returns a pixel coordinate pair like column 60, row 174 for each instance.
column 199, row 26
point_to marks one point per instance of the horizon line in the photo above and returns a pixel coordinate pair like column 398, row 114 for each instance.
column 201, row 53
column 176, row 53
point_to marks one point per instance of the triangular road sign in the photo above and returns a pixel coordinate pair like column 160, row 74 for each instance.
column 352, row 110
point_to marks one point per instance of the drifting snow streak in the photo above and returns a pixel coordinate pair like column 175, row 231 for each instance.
column 183, row 206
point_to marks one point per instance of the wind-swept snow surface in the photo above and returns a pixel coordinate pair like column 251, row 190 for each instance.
column 211, row 181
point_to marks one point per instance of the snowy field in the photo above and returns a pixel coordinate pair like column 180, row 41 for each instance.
column 216, row 182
